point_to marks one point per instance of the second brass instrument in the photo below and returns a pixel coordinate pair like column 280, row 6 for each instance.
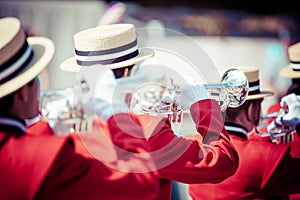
column 63, row 109
column 158, row 99
column 281, row 134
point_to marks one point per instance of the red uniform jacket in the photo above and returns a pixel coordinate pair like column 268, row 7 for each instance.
column 175, row 158
column 20, row 178
column 295, row 137
column 265, row 170
column 43, row 166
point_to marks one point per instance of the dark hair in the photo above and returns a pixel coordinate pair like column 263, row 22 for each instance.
column 245, row 105
column 6, row 102
column 235, row 111
column 231, row 113
column 119, row 72
column 248, row 118
column 295, row 87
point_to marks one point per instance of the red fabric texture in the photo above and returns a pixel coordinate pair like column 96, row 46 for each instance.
column 138, row 140
column 38, row 166
column 191, row 161
column 265, row 169
column 20, row 178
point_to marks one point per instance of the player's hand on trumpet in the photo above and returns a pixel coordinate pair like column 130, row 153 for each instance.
column 292, row 118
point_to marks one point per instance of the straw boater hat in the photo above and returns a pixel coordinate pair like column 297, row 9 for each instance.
column 293, row 69
column 21, row 60
column 110, row 45
column 252, row 74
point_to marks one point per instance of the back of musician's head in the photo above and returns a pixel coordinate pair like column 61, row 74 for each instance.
column 122, row 72
column 295, row 87
column 6, row 102
column 247, row 115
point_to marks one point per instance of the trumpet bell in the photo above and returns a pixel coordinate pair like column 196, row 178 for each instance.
column 64, row 111
column 56, row 105
column 232, row 91
column 237, row 87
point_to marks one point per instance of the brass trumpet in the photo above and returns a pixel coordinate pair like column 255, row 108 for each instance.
column 63, row 109
column 282, row 111
column 282, row 134
column 158, row 99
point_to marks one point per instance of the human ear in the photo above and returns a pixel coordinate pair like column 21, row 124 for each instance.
column 125, row 72
column 254, row 111
column 22, row 93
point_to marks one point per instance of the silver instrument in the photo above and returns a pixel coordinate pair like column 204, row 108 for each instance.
column 282, row 134
column 158, row 99
column 63, row 109
column 273, row 115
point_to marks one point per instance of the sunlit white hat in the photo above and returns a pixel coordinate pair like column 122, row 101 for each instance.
column 112, row 45
column 252, row 74
column 21, row 59
column 293, row 69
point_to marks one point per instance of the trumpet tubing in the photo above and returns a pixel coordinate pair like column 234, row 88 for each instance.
column 281, row 112
column 283, row 133
column 157, row 99
column 64, row 110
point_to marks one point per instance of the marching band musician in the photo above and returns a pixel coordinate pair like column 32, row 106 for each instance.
column 292, row 72
column 43, row 166
column 291, row 118
column 265, row 168
column 209, row 158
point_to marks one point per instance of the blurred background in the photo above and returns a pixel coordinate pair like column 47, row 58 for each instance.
column 233, row 33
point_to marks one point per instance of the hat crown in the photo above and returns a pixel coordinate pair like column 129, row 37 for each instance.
column 294, row 52
column 252, row 73
column 21, row 58
column 12, row 38
column 293, row 69
column 113, row 45
column 105, row 37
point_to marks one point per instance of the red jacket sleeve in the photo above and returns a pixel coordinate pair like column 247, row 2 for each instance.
column 285, row 178
column 210, row 157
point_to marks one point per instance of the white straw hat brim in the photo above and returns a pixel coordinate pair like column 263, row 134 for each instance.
column 288, row 72
column 70, row 65
column 262, row 94
column 43, row 49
